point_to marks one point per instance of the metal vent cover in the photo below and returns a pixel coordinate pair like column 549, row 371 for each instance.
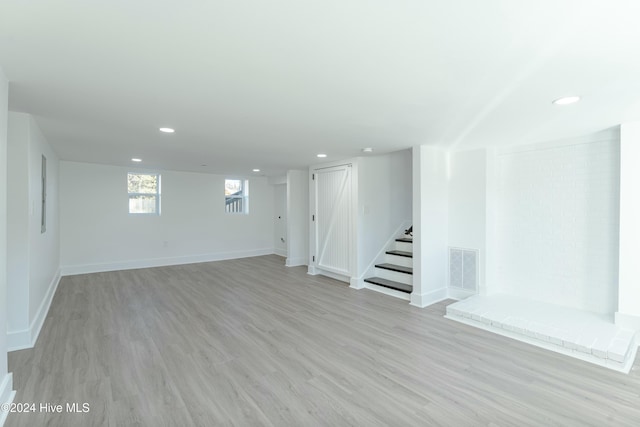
column 463, row 269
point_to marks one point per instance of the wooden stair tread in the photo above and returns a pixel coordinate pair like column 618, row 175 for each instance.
column 401, row 253
column 402, row 287
column 394, row 267
column 404, row 239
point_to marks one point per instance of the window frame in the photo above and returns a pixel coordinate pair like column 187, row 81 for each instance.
column 244, row 196
column 157, row 194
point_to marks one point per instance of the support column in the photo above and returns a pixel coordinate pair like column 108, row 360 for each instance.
column 297, row 218
column 430, row 225
column 628, row 314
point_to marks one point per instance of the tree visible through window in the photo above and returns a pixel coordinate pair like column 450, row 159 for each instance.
column 144, row 193
column 236, row 196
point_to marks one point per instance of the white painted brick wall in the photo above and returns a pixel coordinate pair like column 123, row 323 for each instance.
column 557, row 223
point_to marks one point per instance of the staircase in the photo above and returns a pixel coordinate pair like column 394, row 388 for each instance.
column 396, row 273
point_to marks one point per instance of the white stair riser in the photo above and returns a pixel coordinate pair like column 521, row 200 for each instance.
column 404, row 246
column 402, row 295
column 394, row 275
column 398, row 260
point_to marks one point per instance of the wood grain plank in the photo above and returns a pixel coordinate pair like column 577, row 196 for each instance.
column 251, row 342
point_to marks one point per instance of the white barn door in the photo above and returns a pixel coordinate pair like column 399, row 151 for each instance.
column 333, row 219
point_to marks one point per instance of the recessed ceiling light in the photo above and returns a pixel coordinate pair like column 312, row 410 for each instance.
column 321, row 155
column 256, row 170
column 167, row 130
column 367, row 150
column 136, row 160
column 567, row 100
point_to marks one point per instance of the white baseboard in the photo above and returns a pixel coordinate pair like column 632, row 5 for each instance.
column 295, row 262
column 425, row 300
column 19, row 340
column 356, row 283
column 43, row 310
column 315, row 271
column 71, row 270
column 280, row 252
column 459, row 294
column 26, row 338
column 7, row 394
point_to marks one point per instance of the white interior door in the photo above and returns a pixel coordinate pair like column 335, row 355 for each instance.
column 333, row 225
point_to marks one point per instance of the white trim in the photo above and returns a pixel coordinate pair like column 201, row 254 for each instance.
column 280, row 252
column 460, row 294
column 425, row 300
column 357, row 283
column 387, row 291
column 353, row 232
column 295, row 262
column 19, row 340
column 323, row 272
column 627, row 321
column 7, row 394
column 71, row 270
column 345, row 273
column 27, row 338
column 43, row 310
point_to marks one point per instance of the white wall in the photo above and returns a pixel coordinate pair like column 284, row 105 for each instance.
column 280, row 219
column 489, row 279
column 467, row 199
column 384, row 202
column 34, row 257
column 98, row 233
column 18, row 206
column 468, row 204
column 557, row 223
column 44, row 247
column 297, row 218
column 6, row 383
column 430, row 225
column 629, row 268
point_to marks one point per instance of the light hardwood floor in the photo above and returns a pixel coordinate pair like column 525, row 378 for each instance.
column 251, row 342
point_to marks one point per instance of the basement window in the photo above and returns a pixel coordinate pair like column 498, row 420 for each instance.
column 236, row 196
column 144, row 193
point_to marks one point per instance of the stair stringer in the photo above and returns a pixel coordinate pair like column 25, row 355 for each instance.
column 358, row 282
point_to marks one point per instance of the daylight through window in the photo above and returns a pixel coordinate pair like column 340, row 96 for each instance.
column 144, row 193
column 236, row 196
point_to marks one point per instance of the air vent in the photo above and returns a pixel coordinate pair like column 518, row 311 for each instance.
column 463, row 269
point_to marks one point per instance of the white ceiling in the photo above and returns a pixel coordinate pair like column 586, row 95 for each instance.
column 268, row 84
